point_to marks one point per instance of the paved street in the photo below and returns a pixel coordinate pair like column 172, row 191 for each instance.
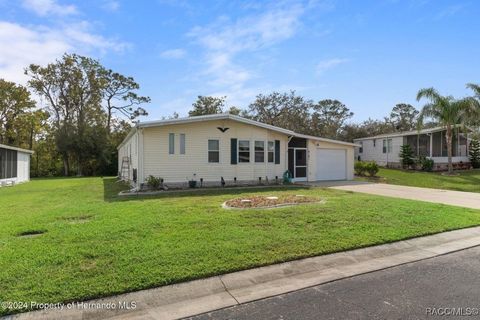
column 402, row 292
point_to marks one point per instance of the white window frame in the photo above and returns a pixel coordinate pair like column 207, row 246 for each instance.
column 249, row 151
column 271, row 152
column 208, row 150
column 255, row 151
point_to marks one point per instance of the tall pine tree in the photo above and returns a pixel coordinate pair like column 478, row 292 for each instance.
column 406, row 156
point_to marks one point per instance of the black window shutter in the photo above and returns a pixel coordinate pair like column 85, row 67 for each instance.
column 233, row 151
column 277, row 151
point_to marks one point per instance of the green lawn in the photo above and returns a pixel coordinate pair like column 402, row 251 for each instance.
column 466, row 181
column 96, row 244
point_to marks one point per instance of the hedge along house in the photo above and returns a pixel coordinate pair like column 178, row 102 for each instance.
column 14, row 165
column 227, row 146
column 431, row 143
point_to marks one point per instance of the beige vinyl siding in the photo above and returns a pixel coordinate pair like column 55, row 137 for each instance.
column 129, row 149
column 181, row 167
column 313, row 145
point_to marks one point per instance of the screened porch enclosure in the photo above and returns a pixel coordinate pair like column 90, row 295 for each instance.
column 8, row 163
column 434, row 144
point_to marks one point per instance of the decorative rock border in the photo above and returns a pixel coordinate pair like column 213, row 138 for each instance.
column 280, row 205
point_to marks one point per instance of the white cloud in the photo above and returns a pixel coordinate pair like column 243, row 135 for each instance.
column 111, row 5
column 325, row 65
column 449, row 11
column 226, row 41
column 49, row 7
column 22, row 45
column 249, row 33
column 173, row 54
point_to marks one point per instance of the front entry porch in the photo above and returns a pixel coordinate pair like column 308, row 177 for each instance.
column 297, row 159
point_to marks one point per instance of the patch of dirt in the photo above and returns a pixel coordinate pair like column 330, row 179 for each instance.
column 31, row 233
column 88, row 265
column 268, row 201
column 78, row 219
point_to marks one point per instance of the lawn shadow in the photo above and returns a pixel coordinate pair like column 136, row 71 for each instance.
column 111, row 188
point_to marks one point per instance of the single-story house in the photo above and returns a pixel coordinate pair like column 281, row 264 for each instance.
column 385, row 149
column 231, row 147
column 14, row 165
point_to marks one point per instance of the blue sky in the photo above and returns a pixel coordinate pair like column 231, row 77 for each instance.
column 368, row 54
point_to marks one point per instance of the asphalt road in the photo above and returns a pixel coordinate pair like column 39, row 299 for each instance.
column 445, row 287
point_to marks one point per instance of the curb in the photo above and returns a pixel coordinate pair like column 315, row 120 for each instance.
column 218, row 292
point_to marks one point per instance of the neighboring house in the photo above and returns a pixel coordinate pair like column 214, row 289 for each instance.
column 385, row 149
column 223, row 145
column 14, row 165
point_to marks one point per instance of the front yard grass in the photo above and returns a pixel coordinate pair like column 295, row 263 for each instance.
column 94, row 244
column 466, row 180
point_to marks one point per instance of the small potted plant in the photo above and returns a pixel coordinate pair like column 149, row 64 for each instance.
column 192, row 183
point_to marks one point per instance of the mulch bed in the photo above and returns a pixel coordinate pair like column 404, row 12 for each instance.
column 268, row 202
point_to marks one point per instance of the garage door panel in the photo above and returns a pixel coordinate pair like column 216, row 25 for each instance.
column 331, row 164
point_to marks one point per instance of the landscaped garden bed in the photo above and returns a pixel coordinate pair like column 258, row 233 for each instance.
column 265, row 202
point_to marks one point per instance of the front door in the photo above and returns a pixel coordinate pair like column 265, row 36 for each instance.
column 297, row 158
column 300, row 164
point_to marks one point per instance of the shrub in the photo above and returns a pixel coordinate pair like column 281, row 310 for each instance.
column 371, row 168
column 406, row 156
column 362, row 167
column 154, row 182
column 359, row 168
column 426, row 164
column 474, row 153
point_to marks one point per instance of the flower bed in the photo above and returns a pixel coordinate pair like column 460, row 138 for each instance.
column 268, row 201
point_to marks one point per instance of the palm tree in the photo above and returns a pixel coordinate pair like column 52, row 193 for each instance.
column 475, row 118
column 448, row 111
column 475, row 88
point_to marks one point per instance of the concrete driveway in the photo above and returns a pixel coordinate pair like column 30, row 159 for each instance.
column 454, row 198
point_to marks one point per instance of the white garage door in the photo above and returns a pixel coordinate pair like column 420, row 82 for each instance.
column 331, row 164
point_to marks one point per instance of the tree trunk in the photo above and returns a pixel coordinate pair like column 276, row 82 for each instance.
column 79, row 169
column 449, row 149
column 37, row 155
column 66, row 165
column 30, row 142
column 109, row 120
